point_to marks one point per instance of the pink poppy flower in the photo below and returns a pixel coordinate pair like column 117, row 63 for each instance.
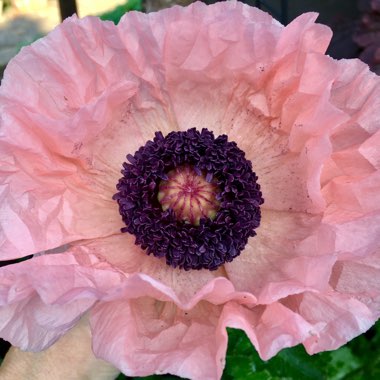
column 76, row 103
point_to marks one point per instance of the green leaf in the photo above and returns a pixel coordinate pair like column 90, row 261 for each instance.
column 116, row 14
column 243, row 362
column 366, row 348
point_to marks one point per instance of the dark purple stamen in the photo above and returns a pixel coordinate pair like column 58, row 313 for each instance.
column 212, row 242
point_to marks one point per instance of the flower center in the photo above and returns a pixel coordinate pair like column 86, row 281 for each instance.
column 191, row 196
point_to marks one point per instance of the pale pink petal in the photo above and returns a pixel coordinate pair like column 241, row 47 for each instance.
column 350, row 178
column 370, row 150
column 198, row 54
column 360, row 195
column 40, row 211
column 355, row 91
column 308, row 123
column 52, row 291
column 303, row 35
column 292, row 253
column 32, row 325
column 237, row 90
column 270, row 328
column 44, row 297
column 57, row 184
column 48, row 77
column 336, row 318
column 148, row 336
column 185, row 288
column 359, row 279
column 44, row 212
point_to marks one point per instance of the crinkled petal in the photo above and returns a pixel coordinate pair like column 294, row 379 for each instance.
column 308, row 123
column 241, row 92
column 350, row 177
column 302, row 34
column 359, row 278
column 51, row 193
column 147, row 336
column 52, row 291
column 44, row 297
column 336, row 318
column 270, row 328
column 57, row 184
column 41, row 214
column 185, row 288
column 32, row 325
column 292, row 253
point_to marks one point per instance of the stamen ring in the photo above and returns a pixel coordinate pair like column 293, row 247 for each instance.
column 159, row 231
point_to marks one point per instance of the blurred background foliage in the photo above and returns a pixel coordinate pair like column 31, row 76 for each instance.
column 360, row 358
column 116, row 14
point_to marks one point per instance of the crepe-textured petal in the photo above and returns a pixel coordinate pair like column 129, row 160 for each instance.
column 75, row 109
